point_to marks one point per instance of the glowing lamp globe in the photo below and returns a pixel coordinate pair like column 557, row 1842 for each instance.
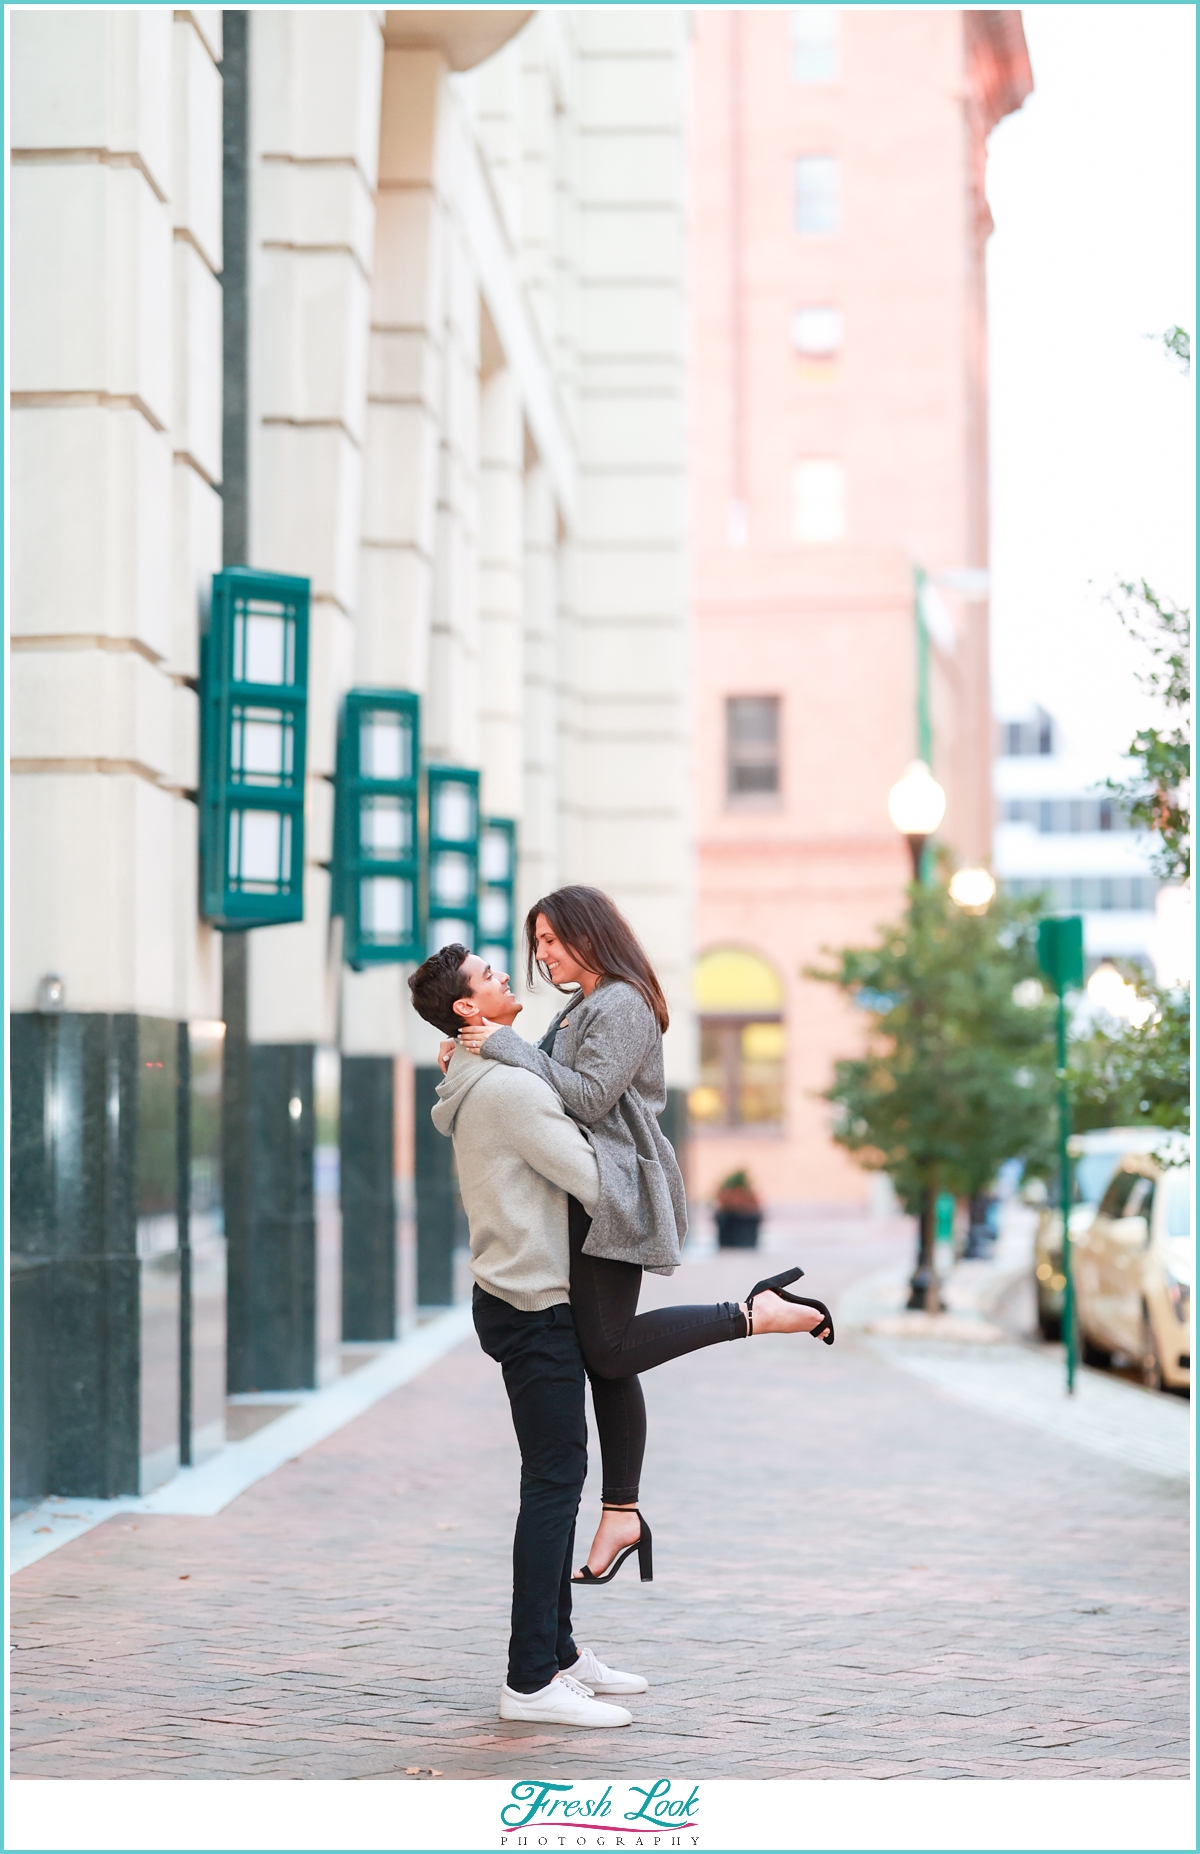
column 917, row 803
column 1110, row 993
column 972, row 890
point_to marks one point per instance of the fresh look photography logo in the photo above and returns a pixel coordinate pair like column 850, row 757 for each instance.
column 659, row 1814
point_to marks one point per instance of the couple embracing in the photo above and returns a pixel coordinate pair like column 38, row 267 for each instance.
column 571, row 1190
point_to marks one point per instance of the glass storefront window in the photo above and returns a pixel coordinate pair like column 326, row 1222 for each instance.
column 743, row 1042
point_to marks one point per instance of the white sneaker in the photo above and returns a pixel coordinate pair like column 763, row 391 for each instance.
column 591, row 1670
column 564, row 1702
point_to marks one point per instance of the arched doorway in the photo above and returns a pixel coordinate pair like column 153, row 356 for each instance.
column 739, row 998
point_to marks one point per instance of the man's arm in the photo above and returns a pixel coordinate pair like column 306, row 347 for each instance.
column 540, row 1132
column 613, row 1047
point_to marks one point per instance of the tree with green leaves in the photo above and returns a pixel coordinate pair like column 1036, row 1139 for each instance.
column 958, row 1074
column 1139, row 1074
column 1156, row 793
column 1136, row 1074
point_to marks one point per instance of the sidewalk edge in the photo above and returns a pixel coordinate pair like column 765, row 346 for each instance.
column 203, row 1492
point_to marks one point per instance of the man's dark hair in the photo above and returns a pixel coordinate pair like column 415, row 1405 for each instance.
column 436, row 984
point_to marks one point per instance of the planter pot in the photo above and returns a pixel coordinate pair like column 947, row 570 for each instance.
column 738, row 1229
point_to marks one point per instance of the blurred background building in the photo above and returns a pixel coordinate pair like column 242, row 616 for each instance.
column 839, row 488
column 392, row 303
column 1058, row 835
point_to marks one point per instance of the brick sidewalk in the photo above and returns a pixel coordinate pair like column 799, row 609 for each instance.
column 857, row 1577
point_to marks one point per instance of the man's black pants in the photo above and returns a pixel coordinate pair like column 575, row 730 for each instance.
column 543, row 1375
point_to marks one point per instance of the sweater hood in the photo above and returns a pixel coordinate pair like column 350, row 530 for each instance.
column 464, row 1072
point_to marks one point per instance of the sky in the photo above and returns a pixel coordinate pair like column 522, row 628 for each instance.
column 1091, row 186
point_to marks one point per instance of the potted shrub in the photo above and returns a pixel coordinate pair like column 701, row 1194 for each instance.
column 739, row 1213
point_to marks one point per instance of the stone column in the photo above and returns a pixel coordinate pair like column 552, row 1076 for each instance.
column 115, row 526
column 537, row 871
column 392, row 647
column 314, row 139
column 629, row 777
column 501, row 617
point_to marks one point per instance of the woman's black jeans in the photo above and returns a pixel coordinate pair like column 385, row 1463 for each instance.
column 543, row 1375
column 618, row 1342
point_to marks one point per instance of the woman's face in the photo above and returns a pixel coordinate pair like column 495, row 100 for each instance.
column 563, row 967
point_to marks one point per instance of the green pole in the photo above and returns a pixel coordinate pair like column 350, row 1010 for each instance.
column 1060, row 955
column 1070, row 1326
column 924, row 708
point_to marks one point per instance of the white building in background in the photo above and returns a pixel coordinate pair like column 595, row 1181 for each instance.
column 1057, row 832
column 393, row 301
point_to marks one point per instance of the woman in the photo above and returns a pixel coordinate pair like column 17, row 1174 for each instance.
column 603, row 1056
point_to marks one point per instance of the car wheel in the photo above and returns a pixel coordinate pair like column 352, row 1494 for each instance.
column 1093, row 1354
column 1152, row 1371
column 1049, row 1324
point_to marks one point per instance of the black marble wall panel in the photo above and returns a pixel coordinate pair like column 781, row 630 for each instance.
column 183, row 1200
column 235, row 1158
column 76, row 1364
column 280, row 1265
column 205, row 1256
column 157, row 1185
column 368, row 1189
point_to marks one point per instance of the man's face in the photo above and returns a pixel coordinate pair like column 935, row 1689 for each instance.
column 490, row 996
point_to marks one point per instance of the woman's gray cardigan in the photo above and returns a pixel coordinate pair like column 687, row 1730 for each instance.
column 607, row 1069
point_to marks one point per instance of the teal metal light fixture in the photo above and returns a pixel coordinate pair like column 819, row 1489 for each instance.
column 453, row 857
column 497, row 876
column 376, row 846
column 253, row 738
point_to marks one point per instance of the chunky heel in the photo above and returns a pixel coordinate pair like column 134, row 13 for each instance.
column 642, row 1545
column 645, row 1552
column 778, row 1284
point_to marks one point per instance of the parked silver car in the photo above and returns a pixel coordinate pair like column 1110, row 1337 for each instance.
column 1133, row 1267
column 1095, row 1157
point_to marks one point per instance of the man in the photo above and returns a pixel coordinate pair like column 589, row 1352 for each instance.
column 519, row 1156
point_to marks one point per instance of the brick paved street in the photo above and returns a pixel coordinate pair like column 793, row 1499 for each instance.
column 858, row 1576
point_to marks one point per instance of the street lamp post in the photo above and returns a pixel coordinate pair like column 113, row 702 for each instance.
column 916, row 806
column 972, row 891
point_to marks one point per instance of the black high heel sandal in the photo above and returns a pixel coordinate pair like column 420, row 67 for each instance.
column 642, row 1545
column 777, row 1285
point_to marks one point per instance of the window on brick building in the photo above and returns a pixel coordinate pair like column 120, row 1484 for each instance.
column 817, row 195
column 818, row 500
column 816, row 36
column 817, row 332
column 751, row 745
column 742, row 1042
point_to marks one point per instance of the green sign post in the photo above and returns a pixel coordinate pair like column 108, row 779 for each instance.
column 1060, row 955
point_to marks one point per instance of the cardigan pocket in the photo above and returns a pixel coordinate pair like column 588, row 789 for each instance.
column 656, row 1211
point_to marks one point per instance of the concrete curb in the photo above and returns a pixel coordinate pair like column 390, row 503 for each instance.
column 206, row 1490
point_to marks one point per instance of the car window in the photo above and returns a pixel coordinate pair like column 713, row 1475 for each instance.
column 1178, row 1186
column 1140, row 1201
column 1113, row 1203
column 1091, row 1173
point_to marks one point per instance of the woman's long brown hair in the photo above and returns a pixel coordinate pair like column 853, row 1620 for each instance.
column 596, row 933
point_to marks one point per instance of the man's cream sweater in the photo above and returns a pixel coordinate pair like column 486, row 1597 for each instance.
column 519, row 1156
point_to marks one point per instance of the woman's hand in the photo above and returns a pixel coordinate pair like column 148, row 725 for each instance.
column 476, row 1035
column 445, row 1050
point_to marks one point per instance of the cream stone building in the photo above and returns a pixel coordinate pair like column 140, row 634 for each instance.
column 393, row 302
